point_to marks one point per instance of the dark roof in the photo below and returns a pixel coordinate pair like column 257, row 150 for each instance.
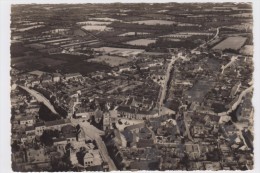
column 70, row 135
column 59, row 139
column 136, row 126
column 72, row 75
column 29, row 128
column 125, row 109
column 144, row 165
column 57, row 122
column 39, row 124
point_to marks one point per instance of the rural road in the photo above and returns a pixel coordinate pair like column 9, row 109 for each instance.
column 215, row 36
column 40, row 98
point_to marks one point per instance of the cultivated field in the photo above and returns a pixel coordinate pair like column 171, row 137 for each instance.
column 112, row 61
column 154, row 22
column 119, row 51
column 141, row 42
column 104, row 19
column 133, row 33
column 234, row 43
column 95, row 28
column 94, row 23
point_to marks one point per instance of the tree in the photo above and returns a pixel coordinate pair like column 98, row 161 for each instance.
column 15, row 147
column 46, row 138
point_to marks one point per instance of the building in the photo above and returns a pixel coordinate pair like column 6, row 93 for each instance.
column 56, row 77
column 72, row 76
column 109, row 118
column 27, row 120
column 39, row 128
column 92, row 158
column 56, row 124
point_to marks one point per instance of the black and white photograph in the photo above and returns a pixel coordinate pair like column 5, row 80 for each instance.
column 124, row 86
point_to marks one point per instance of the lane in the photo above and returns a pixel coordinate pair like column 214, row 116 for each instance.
column 213, row 38
column 39, row 97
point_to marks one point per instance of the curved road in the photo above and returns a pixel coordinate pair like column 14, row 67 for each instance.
column 215, row 36
column 40, row 98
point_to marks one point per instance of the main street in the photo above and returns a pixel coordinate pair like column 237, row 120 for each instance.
column 163, row 90
column 39, row 97
column 92, row 132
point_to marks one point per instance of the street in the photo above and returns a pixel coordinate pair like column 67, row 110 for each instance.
column 164, row 88
column 40, row 98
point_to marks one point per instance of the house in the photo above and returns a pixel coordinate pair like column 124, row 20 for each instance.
column 32, row 109
column 92, row 158
column 46, row 79
column 29, row 129
column 39, row 128
column 235, row 89
column 59, row 141
column 145, row 138
column 73, row 156
column 23, row 138
column 27, row 120
column 72, row 76
column 109, row 119
column 37, row 156
column 98, row 116
column 70, row 137
column 124, row 68
column 35, row 82
column 18, row 157
column 126, row 112
column 56, row 124
column 56, row 77
column 142, row 114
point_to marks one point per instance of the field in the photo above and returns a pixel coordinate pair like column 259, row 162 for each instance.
column 112, row 61
column 32, row 62
column 133, row 33
column 121, row 51
column 95, row 28
column 64, row 63
column 94, row 23
column 154, row 22
column 104, row 19
column 247, row 50
column 234, row 43
column 141, row 42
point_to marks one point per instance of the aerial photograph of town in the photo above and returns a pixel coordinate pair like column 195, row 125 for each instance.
column 131, row 87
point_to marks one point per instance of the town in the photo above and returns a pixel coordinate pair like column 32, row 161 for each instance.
column 105, row 87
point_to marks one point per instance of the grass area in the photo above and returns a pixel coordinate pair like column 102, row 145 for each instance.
column 231, row 43
column 18, row 50
column 141, row 42
column 112, row 61
column 62, row 62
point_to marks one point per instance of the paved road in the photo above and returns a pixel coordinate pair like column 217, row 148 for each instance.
column 94, row 133
column 39, row 97
column 164, row 87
